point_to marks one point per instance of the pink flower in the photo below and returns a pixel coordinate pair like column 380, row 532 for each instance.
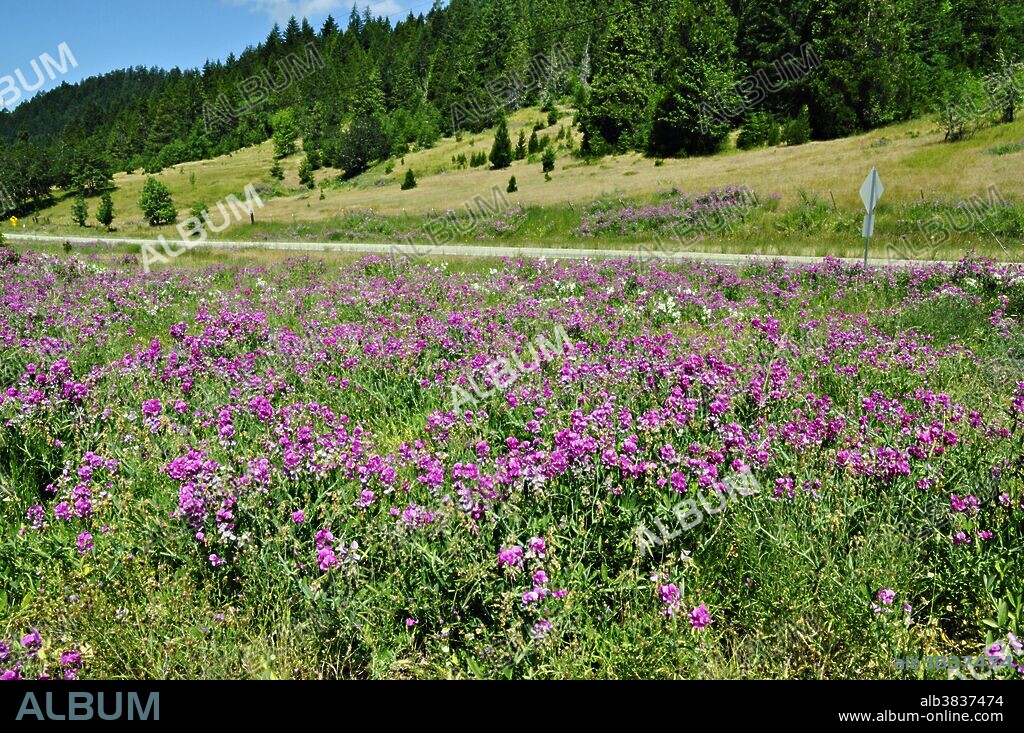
column 326, row 558
column 298, row 516
column 886, row 596
column 541, row 629
column 366, row 498
column 410, row 622
column 511, row 557
column 84, row 543
column 699, row 617
column 670, row 598
column 530, row 596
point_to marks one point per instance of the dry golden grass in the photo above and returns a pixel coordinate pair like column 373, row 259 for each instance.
column 911, row 158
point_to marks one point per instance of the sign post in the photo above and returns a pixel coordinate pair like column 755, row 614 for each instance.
column 870, row 191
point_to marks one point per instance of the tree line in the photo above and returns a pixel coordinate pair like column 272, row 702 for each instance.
column 666, row 77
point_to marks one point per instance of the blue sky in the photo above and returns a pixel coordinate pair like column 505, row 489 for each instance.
column 112, row 34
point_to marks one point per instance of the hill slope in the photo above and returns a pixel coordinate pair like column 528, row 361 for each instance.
column 913, row 160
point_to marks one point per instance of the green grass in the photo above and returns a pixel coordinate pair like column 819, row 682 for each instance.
column 789, row 582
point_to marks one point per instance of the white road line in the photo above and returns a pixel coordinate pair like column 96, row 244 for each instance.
column 467, row 250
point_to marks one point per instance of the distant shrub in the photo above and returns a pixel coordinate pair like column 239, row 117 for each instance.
column 512, row 187
column 306, row 177
column 759, row 130
column 797, row 131
column 1007, row 148
column 410, row 180
column 548, row 160
column 197, row 210
column 156, row 203
column 80, row 211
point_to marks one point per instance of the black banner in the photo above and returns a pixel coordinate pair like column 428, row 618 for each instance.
column 828, row 705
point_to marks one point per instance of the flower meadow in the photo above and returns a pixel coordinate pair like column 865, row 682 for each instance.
column 255, row 472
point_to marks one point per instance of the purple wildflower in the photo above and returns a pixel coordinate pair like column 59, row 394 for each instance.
column 37, row 515
column 511, row 557
column 32, row 640
column 541, row 629
column 699, row 617
column 84, row 543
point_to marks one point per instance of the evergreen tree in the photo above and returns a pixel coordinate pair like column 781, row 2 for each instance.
column 771, row 46
column 156, row 203
column 465, row 63
column 512, row 187
column 501, row 151
column 534, row 145
column 548, row 160
column 285, row 132
column 861, row 85
column 276, row 171
column 520, row 152
column 329, row 28
column 618, row 106
column 105, row 212
column 367, row 93
column 410, row 180
column 691, row 115
column 306, row 177
column 80, row 211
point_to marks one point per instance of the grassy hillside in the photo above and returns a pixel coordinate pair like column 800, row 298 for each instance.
column 818, row 208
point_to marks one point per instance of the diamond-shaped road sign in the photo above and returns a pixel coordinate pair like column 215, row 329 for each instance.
column 871, row 190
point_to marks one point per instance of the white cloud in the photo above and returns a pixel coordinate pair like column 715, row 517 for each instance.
column 280, row 10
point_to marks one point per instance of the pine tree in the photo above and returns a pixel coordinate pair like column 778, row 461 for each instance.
column 534, row 145
column 410, row 180
column 617, row 110
column 156, row 203
column 276, row 171
column 691, row 115
column 862, row 85
column 501, row 151
column 80, row 211
column 105, row 212
column 512, row 187
column 306, row 177
column 285, row 132
column 548, row 159
column 520, row 153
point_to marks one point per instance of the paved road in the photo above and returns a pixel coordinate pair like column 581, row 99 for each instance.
column 462, row 250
